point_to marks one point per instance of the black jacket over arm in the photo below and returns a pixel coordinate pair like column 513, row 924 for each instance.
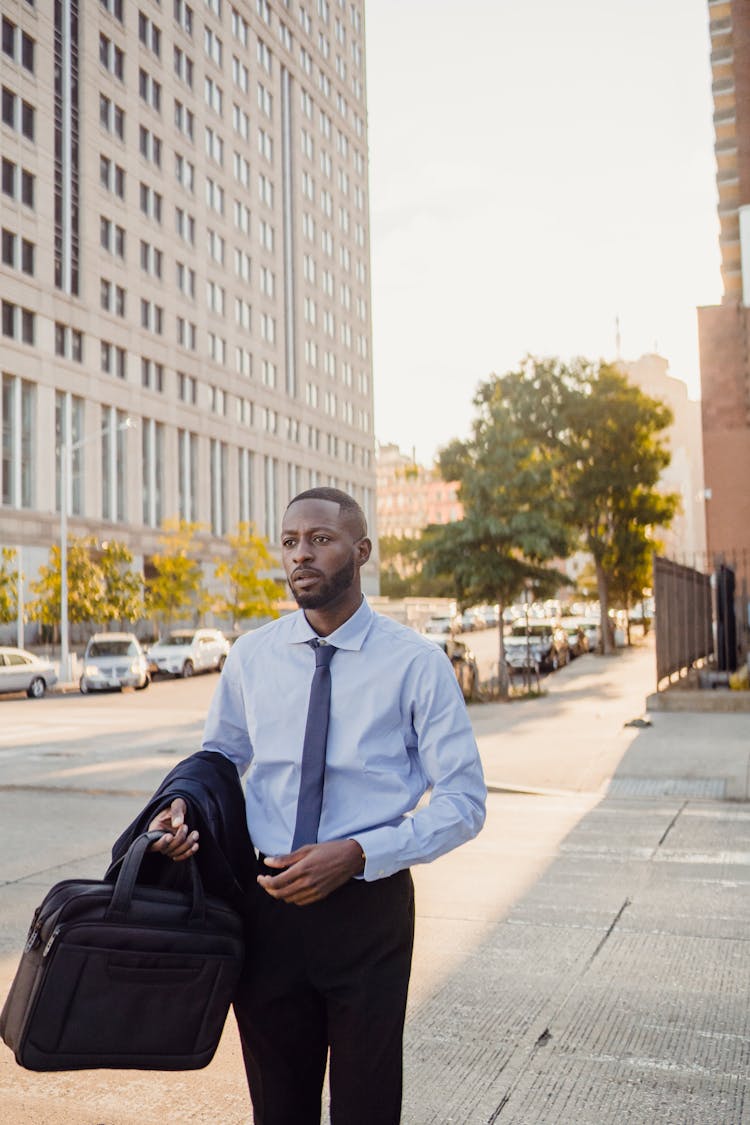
column 209, row 785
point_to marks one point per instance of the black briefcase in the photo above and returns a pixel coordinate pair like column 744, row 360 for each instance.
column 120, row 975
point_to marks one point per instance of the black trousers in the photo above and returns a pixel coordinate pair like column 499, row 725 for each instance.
column 333, row 975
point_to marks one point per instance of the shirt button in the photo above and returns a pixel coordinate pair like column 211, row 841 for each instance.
column 381, row 872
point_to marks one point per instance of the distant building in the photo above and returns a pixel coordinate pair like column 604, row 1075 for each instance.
column 724, row 330
column 685, row 539
column 410, row 496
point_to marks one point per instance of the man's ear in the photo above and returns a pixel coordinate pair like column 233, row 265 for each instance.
column 364, row 550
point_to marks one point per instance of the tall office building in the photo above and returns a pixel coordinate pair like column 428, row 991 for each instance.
column 724, row 330
column 185, row 274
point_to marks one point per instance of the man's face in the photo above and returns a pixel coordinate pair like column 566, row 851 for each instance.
column 320, row 553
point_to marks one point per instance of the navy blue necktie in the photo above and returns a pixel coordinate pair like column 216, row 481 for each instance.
column 314, row 748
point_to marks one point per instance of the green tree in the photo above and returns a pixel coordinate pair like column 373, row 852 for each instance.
column 402, row 571
column 8, row 585
column 175, row 591
column 615, row 457
column 85, row 586
column 122, row 594
column 605, row 437
column 514, row 519
column 248, row 593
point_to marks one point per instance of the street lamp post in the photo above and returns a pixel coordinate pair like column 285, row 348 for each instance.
column 67, row 449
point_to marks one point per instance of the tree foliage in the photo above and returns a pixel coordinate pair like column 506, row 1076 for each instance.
column 175, row 591
column 248, row 594
column 602, row 438
column 8, row 585
column 122, row 599
column 403, row 574
column 513, row 524
column 102, row 586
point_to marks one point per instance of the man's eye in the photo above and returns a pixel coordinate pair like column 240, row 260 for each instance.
column 287, row 542
column 322, row 539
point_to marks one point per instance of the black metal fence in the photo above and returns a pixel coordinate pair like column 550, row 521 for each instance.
column 701, row 614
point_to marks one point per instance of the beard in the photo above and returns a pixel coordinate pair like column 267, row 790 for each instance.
column 328, row 590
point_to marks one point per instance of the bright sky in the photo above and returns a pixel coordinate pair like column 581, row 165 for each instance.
column 538, row 168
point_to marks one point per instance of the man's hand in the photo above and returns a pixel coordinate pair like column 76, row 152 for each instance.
column 179, row 843
column 312, row 872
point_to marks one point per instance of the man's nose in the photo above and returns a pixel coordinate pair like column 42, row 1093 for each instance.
column 303, row 550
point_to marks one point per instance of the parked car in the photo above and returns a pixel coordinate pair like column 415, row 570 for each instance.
column 443, row 624
column 547, row 646
column 22, row 671
column 113, row 661
column 470, row 620
column 183, row 652
column 490, row 615
column 463, row 661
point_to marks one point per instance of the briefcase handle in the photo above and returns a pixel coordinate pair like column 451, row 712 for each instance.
column 122, row 895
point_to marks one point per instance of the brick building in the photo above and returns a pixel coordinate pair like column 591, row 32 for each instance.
column 724, row 330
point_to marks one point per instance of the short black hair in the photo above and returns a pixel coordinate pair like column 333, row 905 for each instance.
column 346, row 503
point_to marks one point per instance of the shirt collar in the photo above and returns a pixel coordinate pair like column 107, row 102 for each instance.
column 350, row 635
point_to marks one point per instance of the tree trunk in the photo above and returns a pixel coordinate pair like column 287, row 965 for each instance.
column 503, row 680
column 604, row 624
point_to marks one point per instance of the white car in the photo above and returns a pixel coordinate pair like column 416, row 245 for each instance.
column 114, row 661
column 183, row 652
column 22, row 671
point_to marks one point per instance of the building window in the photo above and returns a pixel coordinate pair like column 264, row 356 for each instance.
column 114, row 464
column 17, row 45
column 112, row 176
column 68, row 342
column 219, row 457
column 112, row 117
column 111, row 57
column 18, row 443
column 114, row 360
column 18, row 183
column 149, row 34
column 17, row 252
column 152, row 461
column 18, row 323
column 183, row 15
column 149, row 89
column 17, row 113
column 187, row 474
column 69, row 412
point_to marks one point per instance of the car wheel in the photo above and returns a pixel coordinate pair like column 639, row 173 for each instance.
column 222, row 662
column 187, row 669
column 36, row 688
column 84, row 686
column 144, row 685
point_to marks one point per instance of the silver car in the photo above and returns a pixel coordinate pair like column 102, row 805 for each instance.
column 114, row 661
column 22, row 671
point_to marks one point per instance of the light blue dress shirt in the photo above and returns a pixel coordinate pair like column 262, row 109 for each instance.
column 398, row 728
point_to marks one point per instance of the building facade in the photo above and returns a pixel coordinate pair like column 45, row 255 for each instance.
column 724, row 330
column 185, row 275
column 685, row 539
column 410, row 496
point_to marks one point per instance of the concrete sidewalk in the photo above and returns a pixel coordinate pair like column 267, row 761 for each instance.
column 601, row 973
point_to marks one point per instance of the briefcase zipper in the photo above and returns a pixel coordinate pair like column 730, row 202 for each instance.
column 33, row 936
column 51, row 941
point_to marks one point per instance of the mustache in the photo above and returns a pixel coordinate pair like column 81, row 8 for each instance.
column 306, row 572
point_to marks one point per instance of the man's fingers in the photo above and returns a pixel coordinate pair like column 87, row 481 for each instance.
column 177, row 812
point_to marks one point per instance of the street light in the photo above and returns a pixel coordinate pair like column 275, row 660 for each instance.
column 67, row 448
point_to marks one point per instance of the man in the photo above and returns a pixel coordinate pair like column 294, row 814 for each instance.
column 329, row 953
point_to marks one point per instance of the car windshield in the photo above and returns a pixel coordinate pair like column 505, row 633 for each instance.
column 112, row 648
column 177, row 639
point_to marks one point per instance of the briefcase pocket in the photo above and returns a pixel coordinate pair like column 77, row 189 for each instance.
column 129, row 1009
